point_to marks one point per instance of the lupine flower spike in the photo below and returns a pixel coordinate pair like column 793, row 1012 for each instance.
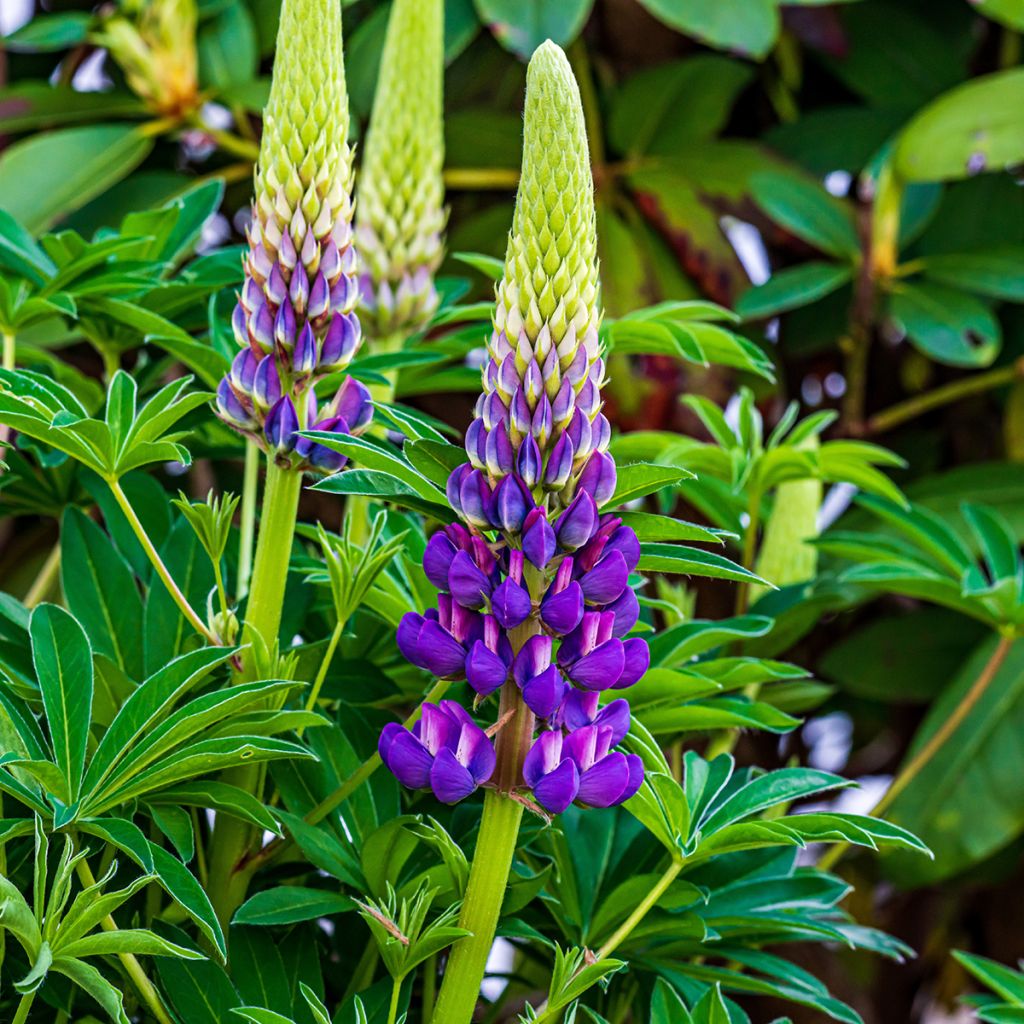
column 295, row 320
column 401, row 215
column 535, row 599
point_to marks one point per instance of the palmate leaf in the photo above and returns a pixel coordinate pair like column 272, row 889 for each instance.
column 125, row 440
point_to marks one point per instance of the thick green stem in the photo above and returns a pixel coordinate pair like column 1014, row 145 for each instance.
column 935, row 743
column 429, row 987
column 952, row 392
column 488, row 879
column 146, row 989
column 231, row 839
column 24, row 1006
column 247, row 518
column 495, row 844
column 9, row 350
column 396, row 991
column 157, row 562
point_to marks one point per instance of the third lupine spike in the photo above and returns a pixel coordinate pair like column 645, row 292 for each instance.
column 536, row 603
column 295, row 320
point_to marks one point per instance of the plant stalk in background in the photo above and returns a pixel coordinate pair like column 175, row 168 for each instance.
column 295, row 323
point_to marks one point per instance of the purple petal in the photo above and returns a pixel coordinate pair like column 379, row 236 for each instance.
column 485, row 670
column 407, row 759
column 450, row 781
column 562, row 613
column 605, row 783
column 601, row 668
column 476, row 752
column 544, row 693
column 511, row 604
column 467, row 582
column 624, row 539
column 636, row 661
column 556, row 790
column 282, row 423
column 575, row 526
column 607, row 580
column 354, row 404
column 437, row 559
column 538, row 539
column 626, row 611
column 511, row 504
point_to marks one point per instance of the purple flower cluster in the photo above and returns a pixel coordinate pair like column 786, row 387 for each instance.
column 545, row 607
column 295, row 322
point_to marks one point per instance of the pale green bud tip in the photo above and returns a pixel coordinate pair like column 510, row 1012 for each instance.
column 401, row 214
column 551, row 263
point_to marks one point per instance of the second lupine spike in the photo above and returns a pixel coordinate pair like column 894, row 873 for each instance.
column 401, row 214
column 295, row 319
column 535, row 598
column 539, row 416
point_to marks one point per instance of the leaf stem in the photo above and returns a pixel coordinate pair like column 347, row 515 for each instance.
column 325, row 664
column 472, row 178
column 396, row 991
column 43, row 582
column 151, row 553
column 146, row 988
column 9, row 351
column 749, row 546
column 247, row 520
column 952, row 392
column 625, row 929
column 24, row 1005
column 934, row 744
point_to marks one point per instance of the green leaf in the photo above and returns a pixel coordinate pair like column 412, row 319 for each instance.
column 967, row 801
column 687, row 561
column 20, row 252
column 288, row 904
column 808, row 211
column 101, row 592
column 49, row 32
column 636, row 479
column 180, row 884
column 994, row 273
column 522, row 25
column 45, row 177
column 949, row 326
column 63, row 664
column 749, row 26
column 1006, row 983
column 228, row 50
column 977, row 126
column 792, row 288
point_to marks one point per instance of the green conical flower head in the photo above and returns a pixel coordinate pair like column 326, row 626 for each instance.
column 401, row 215
column 295, row 319
column 540, row 412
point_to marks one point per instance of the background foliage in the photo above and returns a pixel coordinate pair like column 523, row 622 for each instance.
column 846, row 178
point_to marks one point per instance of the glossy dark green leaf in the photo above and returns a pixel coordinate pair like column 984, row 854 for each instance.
column 949, row 326
column 289, row 904
column 749, row 28
column 522, row 25
column 792, row 287
column 806, row 209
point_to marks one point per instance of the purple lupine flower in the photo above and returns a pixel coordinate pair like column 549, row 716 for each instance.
column 581, row 767
column 445, row 751
column 535, row 597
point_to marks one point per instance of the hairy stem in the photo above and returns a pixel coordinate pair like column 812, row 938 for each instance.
column 173, row 589
column 935, row 743
column 495, row 844
column 146, row 989
column 247, row 517
column 231, row 839
column 952, row 392
column 488, row 879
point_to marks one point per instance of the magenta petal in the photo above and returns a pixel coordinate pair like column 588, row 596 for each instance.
column 510, row 604
column 601, row 668
column 605, row 783
column 485, row 671
column 556, row 790
column 636, row 661
column 607, row 580
column 450, row 781
column 407, row 759
column 562, row 613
